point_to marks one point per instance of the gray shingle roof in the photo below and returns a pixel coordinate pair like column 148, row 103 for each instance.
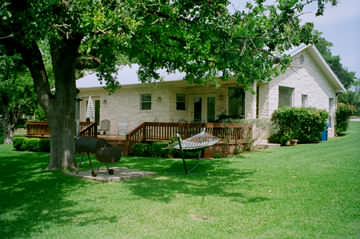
column 127, row 75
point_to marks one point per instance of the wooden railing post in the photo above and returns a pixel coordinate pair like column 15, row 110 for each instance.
column 144, row 133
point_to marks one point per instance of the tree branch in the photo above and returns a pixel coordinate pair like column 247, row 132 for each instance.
column 32, row 58
column 89, row 62
column 6, row 37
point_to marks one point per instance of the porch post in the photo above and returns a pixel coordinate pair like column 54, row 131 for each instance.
column 250, row 102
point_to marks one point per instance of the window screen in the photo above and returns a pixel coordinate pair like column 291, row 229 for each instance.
column 180, row 102
column 145, row 102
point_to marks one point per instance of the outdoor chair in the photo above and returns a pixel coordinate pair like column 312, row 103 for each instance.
column 104, row 126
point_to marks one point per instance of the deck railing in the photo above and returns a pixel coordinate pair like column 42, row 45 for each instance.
column 40, row 129
column 89, row 130
column 158, row 131
column 37, row 129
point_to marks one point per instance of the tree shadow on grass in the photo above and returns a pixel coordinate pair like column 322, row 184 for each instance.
column 210, row 178
column 32, row 199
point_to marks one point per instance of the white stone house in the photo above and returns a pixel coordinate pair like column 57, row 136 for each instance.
column 309, row 81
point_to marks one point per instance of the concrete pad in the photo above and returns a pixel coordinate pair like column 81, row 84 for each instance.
column 119, row 174
column 355, row 119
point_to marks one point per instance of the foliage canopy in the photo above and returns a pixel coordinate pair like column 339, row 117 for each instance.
column 201, row 38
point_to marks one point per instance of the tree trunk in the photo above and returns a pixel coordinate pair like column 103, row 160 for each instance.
column 61, row 111
column 8, row 127
column 61, row 120
column 60, row 107
column 8, row 134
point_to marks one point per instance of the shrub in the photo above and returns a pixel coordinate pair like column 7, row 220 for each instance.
column 157, row 149
column 44, row 145
column 141, row 149
column 18, row 142
column 218, row 155
column 304, row 124
column 236, row 150
column 343, row 112
column 188, row 154
column 31, row 144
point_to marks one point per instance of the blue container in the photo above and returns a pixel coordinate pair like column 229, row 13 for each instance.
column 324, row 134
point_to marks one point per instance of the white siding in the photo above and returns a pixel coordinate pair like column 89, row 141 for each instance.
column 306, row 79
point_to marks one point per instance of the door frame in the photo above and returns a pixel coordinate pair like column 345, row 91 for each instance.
column 204, row 105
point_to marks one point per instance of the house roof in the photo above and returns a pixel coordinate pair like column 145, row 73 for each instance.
column 316, row 55
column 127, row 74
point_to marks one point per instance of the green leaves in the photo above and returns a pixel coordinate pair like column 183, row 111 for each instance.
column 343, row 112
column 201, row 38
column 304, row 124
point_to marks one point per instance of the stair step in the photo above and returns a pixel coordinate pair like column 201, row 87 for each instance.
column 267, row 146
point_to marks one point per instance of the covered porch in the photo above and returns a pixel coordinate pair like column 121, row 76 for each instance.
column 126, row 109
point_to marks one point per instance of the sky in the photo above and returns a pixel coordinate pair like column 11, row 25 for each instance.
column 340, row 25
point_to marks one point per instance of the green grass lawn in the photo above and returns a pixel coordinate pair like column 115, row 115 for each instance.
column 307, row 191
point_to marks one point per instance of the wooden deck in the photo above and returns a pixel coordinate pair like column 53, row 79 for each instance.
column 40, row 129
column 231, row 134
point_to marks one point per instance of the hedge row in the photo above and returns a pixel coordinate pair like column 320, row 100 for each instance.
column 343, row 112
column 158, row 149
column 31, row 144
column 303, row 124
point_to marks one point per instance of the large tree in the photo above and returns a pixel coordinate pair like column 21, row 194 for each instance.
column 198, row 37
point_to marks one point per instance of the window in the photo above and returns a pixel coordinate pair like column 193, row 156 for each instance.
column 145, row 100
column 97, row 112
column 197, row 109
column 304, row 100
column 285, row 96
column 301, row 59
column 236, row 103
column 211, row 102
column 180, row 102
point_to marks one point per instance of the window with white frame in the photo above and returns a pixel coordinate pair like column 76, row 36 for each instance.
column 180, row 102
column 145, row 101
column 304, row 100
column 285, row 96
